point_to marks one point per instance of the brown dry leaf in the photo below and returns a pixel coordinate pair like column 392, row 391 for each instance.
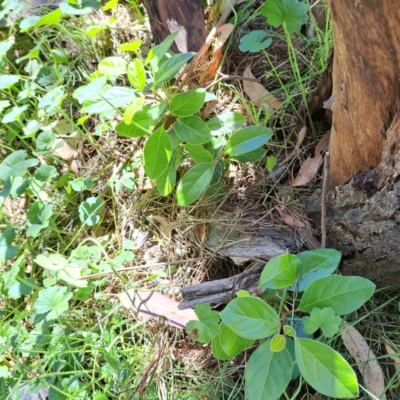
column 153, row 304
column 396, row 358
column 300, row 137
column 257, row 92
column 288, row 219
column 369, row 367
column 310, row 167
column 223, row 32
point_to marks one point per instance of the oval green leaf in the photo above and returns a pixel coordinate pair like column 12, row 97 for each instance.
column 171, row 66
column 315, row 264
column 137, row 74
column 325, row 369
column 227, row 122
column 157, row 153
column 132, row 108
column 188, row 103
column 113, row 66
column 278, row 343
column 194, row 183
column 247, row 139
column 279, row 272
column 268, row 373
column 166, row 181
column 132, row 46
column 192, row 130
column 198, row 153
column 344, row 294
column 289, row 331
column 250, row 318
column 254, row 155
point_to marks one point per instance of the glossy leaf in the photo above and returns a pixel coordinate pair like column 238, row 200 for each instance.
column 194, row 183
column 230, row 343
column 166, row 181
column 251, row 318
column 7, row 250
column 132, row 46
column 171, row 66
column 156, row 53
column 157, row 153
column 268, row 373
column 289, row 331
column 188, row 103
column 192, row 130
column 325, row 369
column 137, row 74
column 344, row 294
column 198, row 153
column 279, row 272
column 254, row 155
column 226, row 122
column 247, row 139
column 278, row 343
column 315, row 264
column 132, row 109
column 113, row 66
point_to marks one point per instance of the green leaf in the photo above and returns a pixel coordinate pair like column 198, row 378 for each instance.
column 192, row 130
column 208, row 325
column 225, row 123
column 132, row 109
column 109, row 101
column 52, row 301
column 132, row 46
column 88, row 211
column 81, row 8
column 325, row 369
column 157, row 152
column 45, row 141
column 243, row 293
column 292, row 13
column 268, row 373
column 198, row 153
column 137, row 74
column 278, row 343
column 6, row 81
column 141, row 124
column 289, row 331
column 194, row 183
column 322, row 318
column 315, row 264
column 344, row 294
column 188, row 103
column 32, row 127
column 5, row 46
column 254, row 155
column 52, row 18
column 166, row 181
column 279, row 272
column 171, row 66
column 52, row 101
column 93, row 90
column 157, row 53
column 7, row 251
column 247, row 139
column 16, row 165
column 46, row 173
column 254, row 42
column 115, row 66
column 14, row 114
column 251, row 318
column 271, row 163
column 229, row 344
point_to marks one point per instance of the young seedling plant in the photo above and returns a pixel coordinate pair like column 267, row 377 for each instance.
column 295, row 312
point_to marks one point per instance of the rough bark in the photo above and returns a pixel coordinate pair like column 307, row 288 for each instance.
column 365, row 84
column 167, row 17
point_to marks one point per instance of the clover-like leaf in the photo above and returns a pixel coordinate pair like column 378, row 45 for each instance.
column 324, row 318
column 88, row 211
column 52, row 301
column 292, row 13
column 208, row 325
column 254, row 42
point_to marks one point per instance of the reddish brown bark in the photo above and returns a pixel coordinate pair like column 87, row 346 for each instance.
column 168, row 16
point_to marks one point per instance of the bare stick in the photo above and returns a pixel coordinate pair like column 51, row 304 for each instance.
column 323, row 200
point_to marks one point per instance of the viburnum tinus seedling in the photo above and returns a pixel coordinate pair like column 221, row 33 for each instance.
column 296, row 310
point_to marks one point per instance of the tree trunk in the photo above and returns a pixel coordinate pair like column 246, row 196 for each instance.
column 363, row 216
column 167, row 17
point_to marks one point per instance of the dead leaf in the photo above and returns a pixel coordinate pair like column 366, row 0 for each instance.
column 310, row 167
column 257, row 92
column 299, row 140
column 369, row 367
column 396, row 358
column 153, row 304
column 288, row 219
column 223, row 32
